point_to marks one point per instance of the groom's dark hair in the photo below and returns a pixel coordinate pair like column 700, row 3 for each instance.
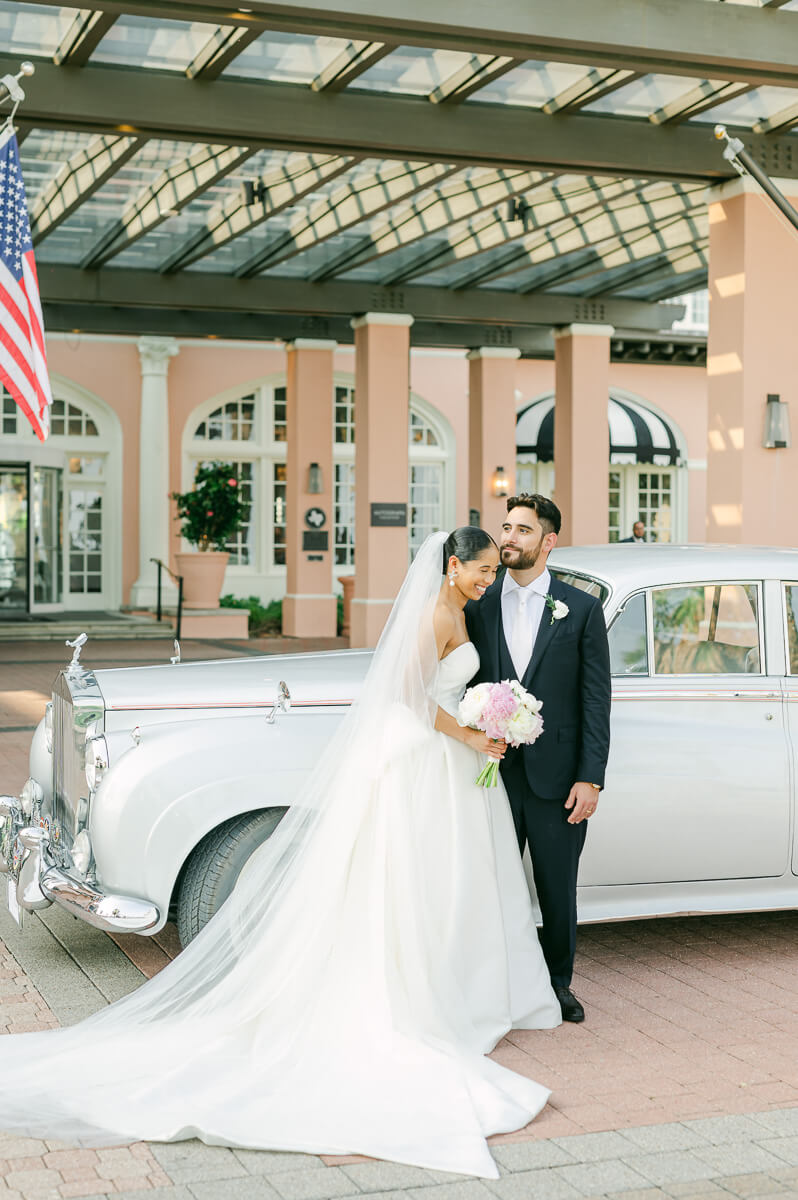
column 547, row 511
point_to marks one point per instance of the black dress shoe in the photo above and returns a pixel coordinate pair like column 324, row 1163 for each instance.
column 570, row 1007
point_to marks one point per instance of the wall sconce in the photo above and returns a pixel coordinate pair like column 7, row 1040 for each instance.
column 777, row 423
column 500, row 484
column 315, row 480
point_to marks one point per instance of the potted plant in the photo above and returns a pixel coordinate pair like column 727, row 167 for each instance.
column 211, row 513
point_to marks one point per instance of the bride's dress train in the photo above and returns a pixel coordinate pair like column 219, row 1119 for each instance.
column 397, row 948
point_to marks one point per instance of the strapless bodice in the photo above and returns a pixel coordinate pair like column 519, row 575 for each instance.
column 454, row 673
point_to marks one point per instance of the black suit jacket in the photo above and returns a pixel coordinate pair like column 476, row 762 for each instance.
column 569, row 670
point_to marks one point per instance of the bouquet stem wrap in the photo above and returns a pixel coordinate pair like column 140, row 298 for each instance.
column 504, row 711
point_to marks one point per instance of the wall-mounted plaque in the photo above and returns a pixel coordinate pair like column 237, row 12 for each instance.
column 315, row 517
column 389, row 514
column 474, row 516
column 315, row 539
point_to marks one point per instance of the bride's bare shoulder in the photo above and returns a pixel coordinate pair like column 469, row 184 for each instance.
column 444, row 623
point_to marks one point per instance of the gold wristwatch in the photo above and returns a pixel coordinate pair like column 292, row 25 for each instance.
column 597, row 786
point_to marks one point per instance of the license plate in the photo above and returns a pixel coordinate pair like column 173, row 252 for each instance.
column 13, row 906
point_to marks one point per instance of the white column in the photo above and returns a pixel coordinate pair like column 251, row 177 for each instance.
column 154, row 509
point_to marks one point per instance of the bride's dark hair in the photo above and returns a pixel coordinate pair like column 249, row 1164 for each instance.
column 465, row 543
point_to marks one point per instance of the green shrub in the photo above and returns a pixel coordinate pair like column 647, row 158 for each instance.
column 265, row 620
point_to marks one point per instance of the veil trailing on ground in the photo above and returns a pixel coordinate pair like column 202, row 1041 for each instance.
column 267, row 949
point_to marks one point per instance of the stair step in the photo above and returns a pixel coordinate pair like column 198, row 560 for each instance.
column 124, row 628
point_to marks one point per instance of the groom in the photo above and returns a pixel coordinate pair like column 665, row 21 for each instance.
column 552, row 637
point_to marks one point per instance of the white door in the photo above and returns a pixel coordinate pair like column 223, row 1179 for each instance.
column 698, row 783
column 85, row 533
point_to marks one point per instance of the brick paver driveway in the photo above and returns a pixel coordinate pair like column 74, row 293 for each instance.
column 683, row 1081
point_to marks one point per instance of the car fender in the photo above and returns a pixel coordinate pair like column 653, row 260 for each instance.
column 40, row 764
column 161, row 797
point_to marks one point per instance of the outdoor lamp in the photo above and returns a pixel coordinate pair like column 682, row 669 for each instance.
column 500, row 483
column 777, row 423
column 315, row 479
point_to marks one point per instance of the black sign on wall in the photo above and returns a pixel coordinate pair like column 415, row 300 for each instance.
column 314, row 539
column 389, row 514
column 474, row 516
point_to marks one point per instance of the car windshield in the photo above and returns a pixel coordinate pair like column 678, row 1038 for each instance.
column 586, row 583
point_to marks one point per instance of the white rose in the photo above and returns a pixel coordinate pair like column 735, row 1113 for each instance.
column 559, row 611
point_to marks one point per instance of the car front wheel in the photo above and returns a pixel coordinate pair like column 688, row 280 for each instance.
column 214, row 866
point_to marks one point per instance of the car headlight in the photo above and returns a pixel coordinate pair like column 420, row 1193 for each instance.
column 96, row 761
column 48, row 726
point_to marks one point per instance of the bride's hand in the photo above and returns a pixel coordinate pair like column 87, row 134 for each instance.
column 480, row 742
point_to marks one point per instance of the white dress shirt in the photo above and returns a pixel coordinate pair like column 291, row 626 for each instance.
column 522, row 611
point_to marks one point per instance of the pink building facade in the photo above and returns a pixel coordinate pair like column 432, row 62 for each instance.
column 134, row 417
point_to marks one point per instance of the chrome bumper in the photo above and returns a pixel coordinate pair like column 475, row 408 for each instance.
column 37, row 882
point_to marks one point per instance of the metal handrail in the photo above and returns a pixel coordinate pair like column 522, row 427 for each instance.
column 179, row 581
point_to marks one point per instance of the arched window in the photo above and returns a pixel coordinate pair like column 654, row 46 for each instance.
column 249, row 432
column 429, row 473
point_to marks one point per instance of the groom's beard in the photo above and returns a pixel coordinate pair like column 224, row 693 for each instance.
column 517, row 560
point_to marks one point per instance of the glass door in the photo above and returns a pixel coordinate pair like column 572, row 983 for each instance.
column 46, row 538
column 13, row 538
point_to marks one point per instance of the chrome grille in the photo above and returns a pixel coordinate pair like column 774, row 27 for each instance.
column 77, row 704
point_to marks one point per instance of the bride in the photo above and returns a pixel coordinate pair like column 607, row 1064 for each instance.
column 375, row 948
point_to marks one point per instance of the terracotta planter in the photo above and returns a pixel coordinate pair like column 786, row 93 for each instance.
column 203, row 577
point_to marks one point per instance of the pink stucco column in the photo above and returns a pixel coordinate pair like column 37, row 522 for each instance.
column 382, row 383
column 752, row 493
column 491, row 431
column 155, row 354
column 581, row 432
column 309, row 605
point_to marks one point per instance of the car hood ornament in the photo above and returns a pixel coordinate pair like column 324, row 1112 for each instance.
column 77, row 645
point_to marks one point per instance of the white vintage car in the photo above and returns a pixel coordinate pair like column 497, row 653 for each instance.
column 151, row 786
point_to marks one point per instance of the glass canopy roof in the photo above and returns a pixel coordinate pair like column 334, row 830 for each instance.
column 325, row 195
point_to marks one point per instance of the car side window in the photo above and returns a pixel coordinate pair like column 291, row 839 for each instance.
column 791, row 602
column 706, row 629
column 627, row 638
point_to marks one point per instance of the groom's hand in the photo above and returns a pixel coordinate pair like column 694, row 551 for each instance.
column 583, row 799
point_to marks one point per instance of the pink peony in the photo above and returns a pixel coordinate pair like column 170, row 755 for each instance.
column 233, row 482
column 209, row 513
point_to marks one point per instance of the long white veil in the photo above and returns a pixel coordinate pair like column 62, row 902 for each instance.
column 242, row 993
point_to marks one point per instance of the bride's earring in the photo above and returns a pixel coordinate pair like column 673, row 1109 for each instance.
column 451, row 578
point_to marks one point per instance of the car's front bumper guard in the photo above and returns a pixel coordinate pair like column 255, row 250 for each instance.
column 39, row 882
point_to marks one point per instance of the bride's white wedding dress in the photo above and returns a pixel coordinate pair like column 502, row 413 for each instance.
column 352, row 1013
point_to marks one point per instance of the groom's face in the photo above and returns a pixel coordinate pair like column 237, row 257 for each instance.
column 523, row 540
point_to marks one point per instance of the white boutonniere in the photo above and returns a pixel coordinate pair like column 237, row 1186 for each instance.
column 558, row 609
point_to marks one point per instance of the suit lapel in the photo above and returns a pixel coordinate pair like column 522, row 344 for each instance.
column 491, row 610
column 546, row 631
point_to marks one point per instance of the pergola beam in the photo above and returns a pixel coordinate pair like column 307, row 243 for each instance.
column 707, row 94
column 355, row 59
column 367, row 195
column 240, row 112
column 636, row 209
column 174, row 188
column 728, row 41
column 450, row 204
column 83, row 37
column 559, row 202
column 282, row 187
column 77, row 180
column 669, row 267
column 480, row 70
column 224, row 45
column 598, row 82
column 199, row 291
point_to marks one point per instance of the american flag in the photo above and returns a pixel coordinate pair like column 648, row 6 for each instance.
column 23, row 366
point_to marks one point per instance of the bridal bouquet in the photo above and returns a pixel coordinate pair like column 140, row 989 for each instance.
column 501, row 710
